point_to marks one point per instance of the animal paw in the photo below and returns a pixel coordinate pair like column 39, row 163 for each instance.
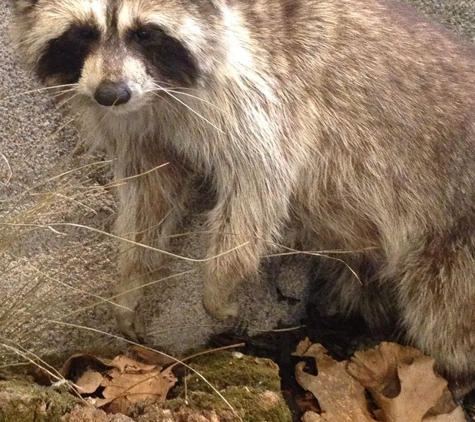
column 131, row 325
column 218, row 307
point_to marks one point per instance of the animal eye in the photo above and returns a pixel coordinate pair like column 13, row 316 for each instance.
column 87, row 33
column 143, row 35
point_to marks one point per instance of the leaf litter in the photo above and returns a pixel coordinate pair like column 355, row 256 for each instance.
column 389, row 383
column 116, row 385
column 400, row 382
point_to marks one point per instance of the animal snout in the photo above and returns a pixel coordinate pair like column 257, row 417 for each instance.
column 112, row 93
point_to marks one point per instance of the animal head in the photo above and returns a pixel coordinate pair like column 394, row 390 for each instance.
column 121, row 53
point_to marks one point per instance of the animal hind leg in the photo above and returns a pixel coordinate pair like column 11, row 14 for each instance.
column 436, row 294
column 351, row 286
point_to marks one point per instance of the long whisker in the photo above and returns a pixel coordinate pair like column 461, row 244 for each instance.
column 170, row 86
column 66, row 101
column 67, row 91
column 190, row 95
column 34, row 91
column 170, row 103
column 192, row 110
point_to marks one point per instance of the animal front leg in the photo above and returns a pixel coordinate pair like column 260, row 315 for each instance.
column 243, row 227
column 232, row 259
column 150, row 205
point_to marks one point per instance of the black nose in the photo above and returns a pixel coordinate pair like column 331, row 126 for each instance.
column 112, row 93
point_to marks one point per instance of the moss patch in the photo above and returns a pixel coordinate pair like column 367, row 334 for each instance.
column 250, row 385
column 23, row 401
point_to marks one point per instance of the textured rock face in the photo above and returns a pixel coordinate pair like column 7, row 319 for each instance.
column 58, row 269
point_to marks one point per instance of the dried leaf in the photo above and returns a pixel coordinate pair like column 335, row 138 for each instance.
column 126, row 364
column 308, row 403
column 457, row 415
column 340, row 396
column 376, row 368
column 77, row 364
column 420, row 390
column 89, row 382
column 302, row 347
column 152, row 357
column 123, row 389
column 119, row 383
column 403, row 382
column 312, row 417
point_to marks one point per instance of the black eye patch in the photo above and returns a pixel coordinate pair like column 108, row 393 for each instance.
column 168, row 56
column 64, row 56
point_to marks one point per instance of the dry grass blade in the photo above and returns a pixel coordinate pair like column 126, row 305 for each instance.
column 34, row 306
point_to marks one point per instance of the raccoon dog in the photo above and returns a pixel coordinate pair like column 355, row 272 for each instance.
column 350, row 122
